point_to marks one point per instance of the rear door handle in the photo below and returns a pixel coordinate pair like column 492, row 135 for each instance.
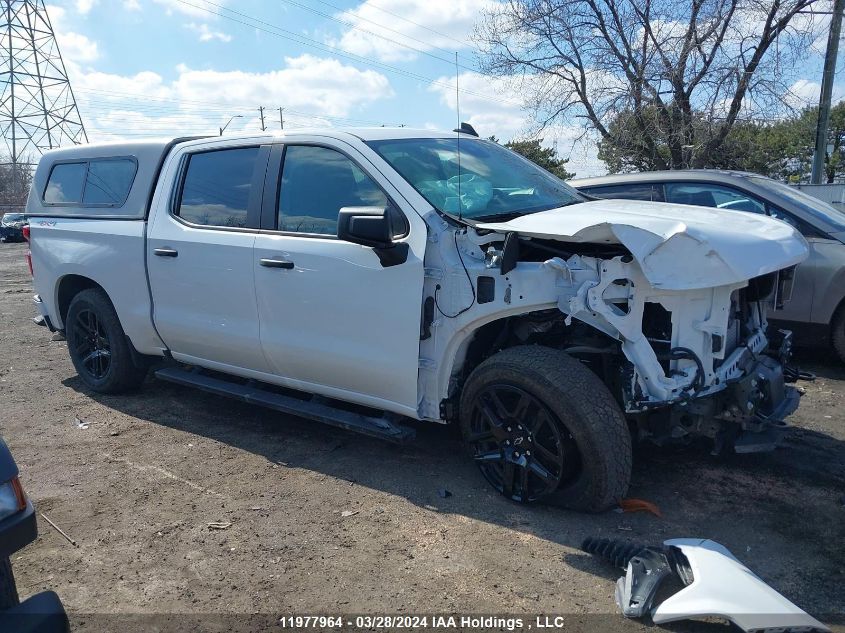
column 166, row 252
column 276, row 263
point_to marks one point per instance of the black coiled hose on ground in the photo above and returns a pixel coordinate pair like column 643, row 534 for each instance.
column 616, row 552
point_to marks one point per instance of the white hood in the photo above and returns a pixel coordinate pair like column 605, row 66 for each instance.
column 678, row 246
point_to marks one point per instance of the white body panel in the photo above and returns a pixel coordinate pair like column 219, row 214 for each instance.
column 724, row 587
column 204, row 299
column 110, row 253
column 339, row 319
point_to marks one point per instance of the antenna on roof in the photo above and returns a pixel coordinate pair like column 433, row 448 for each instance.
column 466, row 128
column 458, row 132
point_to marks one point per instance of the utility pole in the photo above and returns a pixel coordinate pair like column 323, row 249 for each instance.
column 826, row 92
column 261, row 111
column 282, row 117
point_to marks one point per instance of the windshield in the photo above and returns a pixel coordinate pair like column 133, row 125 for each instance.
column 493, row 182
column 814, row 207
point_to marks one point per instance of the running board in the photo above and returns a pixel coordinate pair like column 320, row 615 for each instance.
column 313, row 409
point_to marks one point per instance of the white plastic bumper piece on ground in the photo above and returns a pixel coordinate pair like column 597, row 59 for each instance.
column 724, row 587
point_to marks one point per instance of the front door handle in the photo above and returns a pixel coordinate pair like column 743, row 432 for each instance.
column 276, row 263
column 166, row 252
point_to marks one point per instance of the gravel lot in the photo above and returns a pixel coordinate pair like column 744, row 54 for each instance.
column 141, row 487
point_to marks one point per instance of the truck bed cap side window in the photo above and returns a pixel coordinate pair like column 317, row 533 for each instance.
column 103, row 182
column 66, row 183
column 216, row 188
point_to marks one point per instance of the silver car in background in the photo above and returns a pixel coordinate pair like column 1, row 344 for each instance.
column 816, row 312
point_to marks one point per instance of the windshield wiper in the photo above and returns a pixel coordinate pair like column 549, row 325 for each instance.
column 510, row 215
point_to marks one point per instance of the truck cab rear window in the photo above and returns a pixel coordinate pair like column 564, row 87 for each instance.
column 103, row 182
column 216, row 188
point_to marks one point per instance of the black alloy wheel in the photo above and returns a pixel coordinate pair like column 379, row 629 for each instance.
column 92, row 345
column 522, row 449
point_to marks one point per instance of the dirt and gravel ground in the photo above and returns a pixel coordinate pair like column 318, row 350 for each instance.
column 140, row 488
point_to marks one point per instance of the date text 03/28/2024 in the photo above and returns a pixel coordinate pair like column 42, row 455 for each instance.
column 423, row 622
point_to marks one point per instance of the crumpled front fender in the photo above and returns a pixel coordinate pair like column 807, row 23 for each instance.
column 724, row 587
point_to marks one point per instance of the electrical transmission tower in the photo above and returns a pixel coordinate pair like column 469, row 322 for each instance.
column 37, row 108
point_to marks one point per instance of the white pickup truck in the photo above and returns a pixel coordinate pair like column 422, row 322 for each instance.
column 367, row 277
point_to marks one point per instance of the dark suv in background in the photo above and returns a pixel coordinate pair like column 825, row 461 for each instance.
column 816, row 312
column 11, row 227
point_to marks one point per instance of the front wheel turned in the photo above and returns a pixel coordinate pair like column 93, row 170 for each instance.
column 541, row 426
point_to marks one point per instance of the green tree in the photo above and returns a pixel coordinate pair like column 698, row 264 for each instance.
column 545, row 157
column 781, row 149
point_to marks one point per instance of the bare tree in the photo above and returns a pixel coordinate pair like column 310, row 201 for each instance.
column 683, row 71
column 15, row 180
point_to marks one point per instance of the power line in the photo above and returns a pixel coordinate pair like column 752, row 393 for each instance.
column 212, row 106
column 336, row 50
column 355, row 27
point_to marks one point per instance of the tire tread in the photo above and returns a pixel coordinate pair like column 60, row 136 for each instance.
column 600, row 428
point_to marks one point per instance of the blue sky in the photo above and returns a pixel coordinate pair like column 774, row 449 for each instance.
column 167, row 67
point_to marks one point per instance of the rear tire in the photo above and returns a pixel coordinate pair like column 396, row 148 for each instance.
column 98, row 346
column 8, row 590
column 837, row 332
column 541, row 419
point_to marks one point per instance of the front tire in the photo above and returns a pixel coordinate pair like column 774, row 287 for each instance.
column 542, row 426
column 8, row 591
column 98, row 346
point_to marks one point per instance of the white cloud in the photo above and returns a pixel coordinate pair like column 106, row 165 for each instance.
column 313, row 91
column 421, row 24
column 84, row 6
column 131, row 5
column 75, row 47
column 323, row 84
column 494, row 107
column 148, row 84
column 206, row 34
column 802, row 93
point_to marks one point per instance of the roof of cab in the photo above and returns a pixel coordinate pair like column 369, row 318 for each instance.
column 158, row 145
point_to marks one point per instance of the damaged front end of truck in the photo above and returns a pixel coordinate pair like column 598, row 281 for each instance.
column 671, row 314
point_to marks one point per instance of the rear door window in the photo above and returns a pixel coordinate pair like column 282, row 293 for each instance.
column 217, row 186
column 709, row 195
column 633, row 191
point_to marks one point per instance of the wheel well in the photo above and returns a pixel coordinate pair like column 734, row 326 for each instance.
column 69, row 287
column 544, row 327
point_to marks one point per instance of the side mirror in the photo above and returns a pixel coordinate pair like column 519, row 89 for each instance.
column 368, row 226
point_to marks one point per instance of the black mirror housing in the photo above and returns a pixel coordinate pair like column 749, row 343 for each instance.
column 368, row 226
